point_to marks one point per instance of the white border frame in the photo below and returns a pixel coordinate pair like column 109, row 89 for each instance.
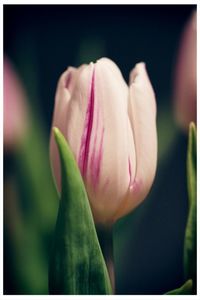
column 148, row 297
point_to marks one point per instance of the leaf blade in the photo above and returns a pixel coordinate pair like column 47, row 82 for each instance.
column 185, row 289
column 190, row 243
column 77, row 265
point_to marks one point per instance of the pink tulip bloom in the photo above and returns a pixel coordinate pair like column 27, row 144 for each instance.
column 111, row 129
column 14, row 107
column 185, row 76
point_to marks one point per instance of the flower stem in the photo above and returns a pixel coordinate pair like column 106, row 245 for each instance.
column 105, row 236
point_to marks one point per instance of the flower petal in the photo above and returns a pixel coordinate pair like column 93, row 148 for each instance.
column 111, row 140
column 108, row 63
column 15, row 121
column 77, row 110
column 142, row 113
column 185, row 87
column 59, row 120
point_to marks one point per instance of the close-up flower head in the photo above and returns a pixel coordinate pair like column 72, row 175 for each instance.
column 111, row 129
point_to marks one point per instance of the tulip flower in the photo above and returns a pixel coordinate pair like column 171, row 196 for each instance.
column 111, row 130
column 15, row 109
column 185, row 89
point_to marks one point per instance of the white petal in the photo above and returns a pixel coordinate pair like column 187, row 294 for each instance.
column 142, row 112
column 77, row 109
column 59, row 120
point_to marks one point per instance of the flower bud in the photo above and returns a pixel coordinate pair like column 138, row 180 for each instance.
column 185, row 90
column 111, row 129
column 15, row 109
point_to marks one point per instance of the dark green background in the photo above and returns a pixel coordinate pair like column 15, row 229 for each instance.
column 42, row 41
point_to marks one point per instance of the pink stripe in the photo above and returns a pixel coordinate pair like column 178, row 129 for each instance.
column 68, row 80
column 85, row 140
column 96, row 158
column 93, row 155
column 136, row 186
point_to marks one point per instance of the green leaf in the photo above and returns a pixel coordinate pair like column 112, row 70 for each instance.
column 185, row 289
column 32, row 220
column 190, row 243
column 77, row 266
column 192, row 164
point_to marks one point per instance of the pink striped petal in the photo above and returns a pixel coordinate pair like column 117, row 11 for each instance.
column 142, row 114
column 111, row 140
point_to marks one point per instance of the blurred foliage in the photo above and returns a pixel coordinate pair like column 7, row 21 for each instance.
column 30, row 214
column 185, row 289
column 42, row 41
column 190, row 245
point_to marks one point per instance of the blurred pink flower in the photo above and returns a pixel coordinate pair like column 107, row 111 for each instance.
column 111, row 129
column 185, row 89
column 15, row 109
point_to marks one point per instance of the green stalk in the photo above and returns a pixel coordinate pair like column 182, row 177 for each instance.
column 105, row 237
